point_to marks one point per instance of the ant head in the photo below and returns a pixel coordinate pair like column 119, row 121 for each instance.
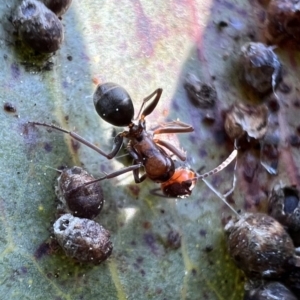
column 180, row 184
column 113, row 104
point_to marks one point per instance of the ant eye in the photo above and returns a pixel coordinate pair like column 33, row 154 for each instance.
column 113, row 104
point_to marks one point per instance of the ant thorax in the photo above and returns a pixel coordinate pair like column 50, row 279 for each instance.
column 136, row 131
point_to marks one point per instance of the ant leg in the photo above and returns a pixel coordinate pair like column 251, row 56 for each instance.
column 172, row 148
column 136, row 160
column 118, row 140
column 149, row 109
column 116, row 173
column 136, row 175
column 174, row 127
column 135, row 168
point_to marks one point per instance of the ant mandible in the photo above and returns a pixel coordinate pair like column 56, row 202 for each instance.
column 114, row 105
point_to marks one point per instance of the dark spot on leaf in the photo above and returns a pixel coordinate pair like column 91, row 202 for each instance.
column 230, row 199
column 296, row 103
column 15, row 70
column 202, row 232
column 209, row 118
column 147, row 225
column 284, row 88
column 135, row 189
column 220, row 136
column 48, row 147
column 174, row 239
column 273, row 105
column 194, row 272
column 9, row 107
column 69, row 57
column 139, row 260
column 249, row 167
column 162, row 211
column 143, row 273
column 208, row 248
column 222, row 24
column 75, row 145
column 150, row 242
column 48, row 66
column 42, row 250
column 294, row 140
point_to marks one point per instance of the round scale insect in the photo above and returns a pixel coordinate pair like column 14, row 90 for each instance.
column 201, row 94
column 83, row 239
column 284, row 206
column 114, row 105
column 245, row 119
column 260, row 246
column 269, row 291
column 84, row 201
column 38, row 26
column 261, row 67
column 283, row 20
column 59, row 7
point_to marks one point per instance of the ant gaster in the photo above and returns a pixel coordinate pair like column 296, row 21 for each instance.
column 114, row 105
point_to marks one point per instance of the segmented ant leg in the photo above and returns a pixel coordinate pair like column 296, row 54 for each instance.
column 174, row 127
column 116, row 173
column 136, row 160
column 149, row 109
column 137, row 178
column 118, row 140
column 172, row 148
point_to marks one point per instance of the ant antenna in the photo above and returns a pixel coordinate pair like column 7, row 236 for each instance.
column 219, row 168
column 145, row 100
column 57, row 170
column 220, row 196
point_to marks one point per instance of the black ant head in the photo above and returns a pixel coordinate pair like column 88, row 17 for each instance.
column 113, row 104
column 180, row 184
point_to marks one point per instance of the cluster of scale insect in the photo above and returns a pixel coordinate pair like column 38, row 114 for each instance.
column 38, row 23
column 263, row 246
column 81, row 238
column 260, row 245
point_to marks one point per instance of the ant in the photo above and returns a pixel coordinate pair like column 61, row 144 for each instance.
column 114, row 105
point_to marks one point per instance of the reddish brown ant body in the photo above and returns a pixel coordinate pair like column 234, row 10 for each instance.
column 114, row 105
